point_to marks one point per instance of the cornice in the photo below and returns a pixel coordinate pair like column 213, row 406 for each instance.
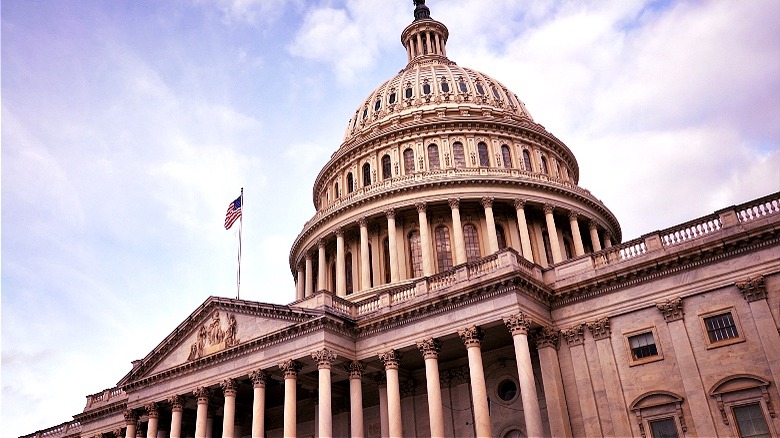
column 87, row 416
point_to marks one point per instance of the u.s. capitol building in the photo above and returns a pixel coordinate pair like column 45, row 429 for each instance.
column 456, row 281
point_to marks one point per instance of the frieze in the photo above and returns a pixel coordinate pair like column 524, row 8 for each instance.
column 753, row 289
column 211, row 336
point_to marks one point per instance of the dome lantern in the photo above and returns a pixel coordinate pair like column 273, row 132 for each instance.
column 425, row 38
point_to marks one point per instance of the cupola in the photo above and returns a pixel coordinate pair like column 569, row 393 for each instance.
column 425, row 38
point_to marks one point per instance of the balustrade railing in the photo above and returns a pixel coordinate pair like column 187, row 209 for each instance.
column 759, row 208
column 403, row 295
column 367, row 306
column 441, row 281
column 105, row 396
column 483, row 266
column 61, row 430
column 691, row 230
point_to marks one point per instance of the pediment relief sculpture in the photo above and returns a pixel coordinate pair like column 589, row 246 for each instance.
column 212, row 337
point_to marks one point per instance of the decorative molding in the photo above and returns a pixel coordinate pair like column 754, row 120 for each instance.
column 471, row 336
column 671, row 309
column 599, row 328
column 176, row 402
column 130, row 416
column 390, row 213
column 519, row 203
column 324, row 358
column 290, row 368
column 573, row 215
column 548, row 208
column 202, row 394
column 518, row 324
column 753, row 289
column 151, row 410
column 574, row 335
column 390, row 359
column 547, row 336
column 363, row 222
column 355, row 369
column 487, row 202
column 421, row 207
column 454, row 203
column 429, row 348
column 259, row 378
column 228, row 387
column 212, row 338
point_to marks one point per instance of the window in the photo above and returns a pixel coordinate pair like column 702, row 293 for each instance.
column 642, row 346
column 387, row 169
column 408, row 161
column 462, row 86
column 377, row 105
column 415, row 253
column 392, row 98
column 721, row 328
column 386, row 251
column 745, row 404
column 482, row 151
column 480, row 90
column 426, row 88
column 409, row 93
column 350, row 183
column 336, row 189
column 366, row 174
column 443, row 248
column 506, row 156
column 348, row 273
column 660, row 413
column 507, row 390
column 544, row 165
column 664, row 428
column 500, row 237
column 365, row 113
column 445, row 87
column 751, row 421
column 527, row 160
column 495, row 92
column 433, row 157
column 458, row 156
column 472, row 242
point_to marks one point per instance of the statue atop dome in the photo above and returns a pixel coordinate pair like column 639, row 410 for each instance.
column 421, row 12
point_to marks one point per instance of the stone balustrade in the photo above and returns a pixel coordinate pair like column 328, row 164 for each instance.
column 64, row 430
column 759, row 208
column 106, row 396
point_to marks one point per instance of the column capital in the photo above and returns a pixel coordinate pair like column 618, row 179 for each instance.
column 390, row 213
column 228, row 387
column 592, row 225
column 519, row 203
column 487, row 202
column 324, row 358
column 548, row 208
column 338, row 231
column 355, row 369
column 320, row 243
column 259, row 378
column 599, row 328
column 152, row 410
column 574, row 335
column 671, row 309
column 202, row 394
column 471, row 336
column 117, row 432
column 547, row 336
column 421, row 207
column 429, row 348
column 518, row 324
column 130, row 416
column 573, row 215
column 390, row 359
column 454, row 203
column 290, row 368
column 753, row 289
column 363, row 222
column 176, row 402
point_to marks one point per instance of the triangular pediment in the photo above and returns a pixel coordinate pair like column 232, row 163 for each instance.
column 216, row 325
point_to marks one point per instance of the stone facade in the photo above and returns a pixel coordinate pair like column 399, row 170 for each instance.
column 456, row 281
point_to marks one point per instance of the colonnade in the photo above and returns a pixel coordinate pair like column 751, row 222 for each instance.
column 390, row 389
column 305, row 279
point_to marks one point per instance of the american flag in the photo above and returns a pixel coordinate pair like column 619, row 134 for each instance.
column 233, row 213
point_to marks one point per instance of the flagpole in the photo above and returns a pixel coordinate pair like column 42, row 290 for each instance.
column 240, row 228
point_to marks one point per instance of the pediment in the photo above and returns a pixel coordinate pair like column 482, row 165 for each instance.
column 217, row 325
column 655, row 398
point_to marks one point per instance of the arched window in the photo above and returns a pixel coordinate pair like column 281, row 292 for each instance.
column 544, row 165
column 365, row 112
column 506, row 156
column 443, row 247
column 336, row 189
column 433, row 157
column 408, row 161
column 415, row 253
column 377, row 105
column 500, row 237
column 386, row 251
column 472, row 242
column 387, row 169
column 484, row 158
column 366, row 174
column 527, row 160
column 445, row 87
column 391, row 99
column 350, row 183
column 458, row 156
column 348, row 273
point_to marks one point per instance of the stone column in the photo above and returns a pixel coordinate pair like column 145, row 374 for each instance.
column 617, row 404
column 518, row 325
column 322, row 268
column 487, row 204
column 425, row 239
column 430, row 350
column 457, row 231
column 552, row 232
column 290, row 369
column 355, row 369
column 177, row 409
column 575, row 338
column 472, row 336
column 300, row 284
column 394, row 275
column 579, row 249
column 607, row 241
column 390, row 359
column 420, row 50
column 672, row 311
column 341, row 280
column 324, row 359
column 309, row 288
column 381, row 383
column 210, row 421
column 365, row 266
column 594, row 236
column 547, row 345
column 259, row 378
column 131, row 423
column 203, row 406
column 754, row 292
column 229, row 410
column 154, row 415
column 522, row 225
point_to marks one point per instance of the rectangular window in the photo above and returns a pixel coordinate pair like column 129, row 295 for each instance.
column 721, row 327
column 663, row 428
column 642, row 345
column 750, row 421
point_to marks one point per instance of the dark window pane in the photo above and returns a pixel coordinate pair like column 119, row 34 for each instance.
column 544, row 165
column 392, row 97
column 507, row 390
column 366, row 174
column 750, row 421
column 472, row 242
column 527, row 160
column 415, row 253
column 643, row 345
column 445, row 87
column 721, row 327
column 506, row 156
column 409, row 93
column 463, row 87
column 336, row 189
column 378, row 105
column 501, row 237
column 663, row 428
column 386, row 250
column 426, row 89
column 386, row 167
column 480, row 90
column 348, row 272
column 365, row 112
column 350, row 183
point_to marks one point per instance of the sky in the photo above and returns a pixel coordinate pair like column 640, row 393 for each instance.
column 128, row 126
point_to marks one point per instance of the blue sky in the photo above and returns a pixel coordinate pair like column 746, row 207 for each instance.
column 128, row 127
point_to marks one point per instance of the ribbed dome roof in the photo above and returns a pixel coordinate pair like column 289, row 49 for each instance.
column 434, row 83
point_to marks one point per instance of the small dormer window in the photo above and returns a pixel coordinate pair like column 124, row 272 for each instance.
column 495, row 92
column 463, row 87
column 392, row 98
column 445, row 87
column 426, row 88
column 408, row 93
column 378, row 104
column 480, row 90
column 365, row 112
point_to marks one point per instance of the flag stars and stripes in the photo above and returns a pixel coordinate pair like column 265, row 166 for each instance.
column 233, row 213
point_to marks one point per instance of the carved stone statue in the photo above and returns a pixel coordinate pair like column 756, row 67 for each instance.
column 215, row 330
column 230, row 333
